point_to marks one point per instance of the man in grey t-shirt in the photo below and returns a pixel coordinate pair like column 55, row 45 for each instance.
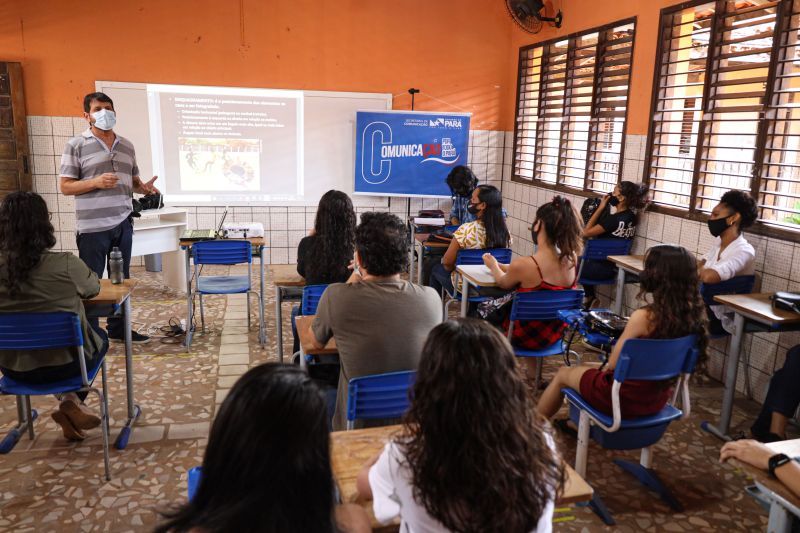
column 380, row 321
column 99, row 168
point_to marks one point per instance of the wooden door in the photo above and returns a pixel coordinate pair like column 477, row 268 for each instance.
column 15, row 169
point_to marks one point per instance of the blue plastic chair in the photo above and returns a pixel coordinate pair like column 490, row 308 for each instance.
column 308, row 306
column 472, row 257
column 194, row 476
column 599, row 250
column 378, row 396
column 41, row 331
column 311, row 297
column 542, row 306
column 735, row 285
column 225, row 252
column 639, row 359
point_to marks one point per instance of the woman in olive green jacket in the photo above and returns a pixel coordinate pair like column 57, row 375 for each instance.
column 34, row 279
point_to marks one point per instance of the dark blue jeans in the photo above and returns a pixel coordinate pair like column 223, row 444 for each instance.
column 94, row 249
column 783, row 395
column 594, row 269
column 440, row 278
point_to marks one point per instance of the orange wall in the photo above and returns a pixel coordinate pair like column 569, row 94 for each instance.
column 454, row 50
column 463, row 52
column 585, row 14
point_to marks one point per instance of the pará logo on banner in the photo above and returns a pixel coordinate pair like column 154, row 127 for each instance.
column 445, row 122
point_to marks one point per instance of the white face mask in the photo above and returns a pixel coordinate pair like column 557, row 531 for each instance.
column 105, row 119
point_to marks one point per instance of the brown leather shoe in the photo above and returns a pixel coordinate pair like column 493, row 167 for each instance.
column 69, row 430
column 81, row 416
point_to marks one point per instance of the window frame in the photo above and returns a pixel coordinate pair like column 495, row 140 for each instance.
column 595, row 127
column 716, row 38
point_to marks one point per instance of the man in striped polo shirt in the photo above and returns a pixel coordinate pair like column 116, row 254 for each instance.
column 99, row 168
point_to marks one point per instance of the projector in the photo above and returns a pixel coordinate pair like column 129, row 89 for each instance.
column 242, row 230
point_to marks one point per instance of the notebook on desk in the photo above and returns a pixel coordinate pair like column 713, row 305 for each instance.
column 204, row 234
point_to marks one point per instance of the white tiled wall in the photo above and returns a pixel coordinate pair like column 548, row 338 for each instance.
column 763, row 352
column 285, row 226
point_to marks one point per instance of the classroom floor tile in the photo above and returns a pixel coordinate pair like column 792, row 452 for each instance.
column 53, row 485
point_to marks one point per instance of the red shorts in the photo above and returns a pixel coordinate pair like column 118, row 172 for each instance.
column 636, row 398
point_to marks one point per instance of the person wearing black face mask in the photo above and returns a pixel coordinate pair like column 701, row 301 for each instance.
column 488, row 230
column 628, row 199
column 731, row 254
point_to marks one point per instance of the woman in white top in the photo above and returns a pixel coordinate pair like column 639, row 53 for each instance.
column 473, row 454
column 731, row 254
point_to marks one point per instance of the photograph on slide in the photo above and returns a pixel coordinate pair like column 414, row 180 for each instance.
column 218, row 164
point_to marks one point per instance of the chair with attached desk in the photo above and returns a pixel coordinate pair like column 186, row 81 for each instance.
column 224, row 252
column 599, row 250
column 41, row 331
column 472, row 257
column 541, row 306
column 647, row 360
column 735, row 285
column 378, row 396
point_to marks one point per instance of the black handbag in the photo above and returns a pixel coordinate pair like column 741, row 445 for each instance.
column 786, row 301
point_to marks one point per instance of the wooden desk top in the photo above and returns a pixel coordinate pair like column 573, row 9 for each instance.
column 629, row 263
column 255, row 241
column 307, row 338
column 478, row 275
column 790, row 448
column 758, row 307
column 422, row 237
column 286, row 276
column 351, row 450
column 111, row 294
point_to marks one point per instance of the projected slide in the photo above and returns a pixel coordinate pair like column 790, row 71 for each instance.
column 220, row 144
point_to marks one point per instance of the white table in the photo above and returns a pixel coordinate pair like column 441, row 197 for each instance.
column 477, row 275
column 158, row 231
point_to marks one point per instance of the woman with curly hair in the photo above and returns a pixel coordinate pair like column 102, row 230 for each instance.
column 324, row 255
column 34, row 280
column 628, row 199
column 473, row 455
column 670, row 277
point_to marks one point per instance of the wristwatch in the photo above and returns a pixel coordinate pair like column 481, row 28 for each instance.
column 776, row 461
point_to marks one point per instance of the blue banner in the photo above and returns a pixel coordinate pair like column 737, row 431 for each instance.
column 408, row 153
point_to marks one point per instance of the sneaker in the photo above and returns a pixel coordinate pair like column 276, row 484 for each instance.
column 136, row 338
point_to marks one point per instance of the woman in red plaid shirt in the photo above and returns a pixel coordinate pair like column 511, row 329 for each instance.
column 556, row 232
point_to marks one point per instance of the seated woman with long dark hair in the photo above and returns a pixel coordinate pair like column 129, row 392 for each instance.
column 473, row 454
column 34, row 279
column 267, row 464
column 556, row 232
column 677, row 310
column 488, row 230
column 323, row 256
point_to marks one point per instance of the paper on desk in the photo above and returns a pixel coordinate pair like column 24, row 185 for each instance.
column 429, row 221
column 789, row 447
